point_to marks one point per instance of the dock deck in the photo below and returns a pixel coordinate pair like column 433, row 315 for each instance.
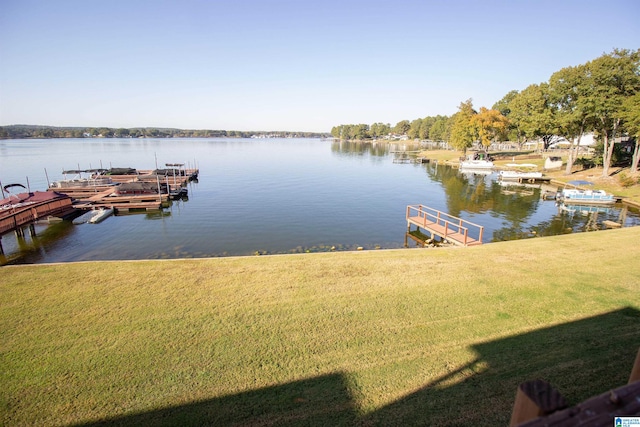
column 456, row 230
column 27, row 208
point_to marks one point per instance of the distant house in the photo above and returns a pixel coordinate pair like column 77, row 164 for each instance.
column 586, row 140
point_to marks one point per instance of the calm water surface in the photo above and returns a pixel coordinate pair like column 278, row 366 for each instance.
column 273, row 196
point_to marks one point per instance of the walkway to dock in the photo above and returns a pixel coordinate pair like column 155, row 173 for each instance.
column 455, row 230
column 25, row 209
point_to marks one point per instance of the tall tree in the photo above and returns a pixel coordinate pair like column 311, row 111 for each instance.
column 414, row 129
column 611, row 78
column 380, row 129
column 530, row 112
column 439, row 130
column 463, row 131
column 402, row 127
column 425, row 126
column 568, row 90
column 488, row 124
column 512, row 132
column 630, row 113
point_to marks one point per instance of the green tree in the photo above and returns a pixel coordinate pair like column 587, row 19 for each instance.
column 380, row 129
column 414, row 129
column 359, row 132
column 439, row 130
column 504, row 105
column 630, row 113
column 463, row 131
column 402, row 127
column 611, row 78
column 122, row 133
column 568, row 89
column 530, row 113
column 425, row 126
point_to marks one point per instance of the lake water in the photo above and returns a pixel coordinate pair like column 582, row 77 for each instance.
column 273, row 196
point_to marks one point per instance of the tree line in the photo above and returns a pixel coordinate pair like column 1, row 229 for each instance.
column 34, row 131
column 601, row 96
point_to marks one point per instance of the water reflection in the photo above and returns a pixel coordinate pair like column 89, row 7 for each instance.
column 371, row 148
column 33, row 247
column 280, row 196
column 510, row 210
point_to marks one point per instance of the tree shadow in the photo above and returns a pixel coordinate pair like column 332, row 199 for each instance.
column 580, row 359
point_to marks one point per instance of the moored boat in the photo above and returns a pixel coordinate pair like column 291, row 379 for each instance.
column 95, row 179
column 585, row 197
column 476, row 161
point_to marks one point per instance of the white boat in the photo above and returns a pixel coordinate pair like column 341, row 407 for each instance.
column 515, row 175
column 585, row 197
column 476, row 171
column 476, row 164
column 585, row 209
column 101, row 215
column 476, row 161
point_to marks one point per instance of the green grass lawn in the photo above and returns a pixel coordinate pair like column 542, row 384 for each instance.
column 398, row 337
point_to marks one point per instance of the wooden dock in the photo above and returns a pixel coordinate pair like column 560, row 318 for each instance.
column 448, row 227
column 108, row 199
column 23, row 210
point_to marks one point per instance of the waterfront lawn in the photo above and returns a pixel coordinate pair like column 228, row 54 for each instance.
column 399, row 337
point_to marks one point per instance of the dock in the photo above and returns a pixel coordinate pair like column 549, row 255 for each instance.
column 448, row 227
column 416, row 160
column 24, row 209
column 533, row 180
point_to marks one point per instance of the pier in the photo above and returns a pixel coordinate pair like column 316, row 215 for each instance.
column 24, row 209
column 448, row 227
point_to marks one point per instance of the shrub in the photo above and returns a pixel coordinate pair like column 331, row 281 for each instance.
column 627, row 180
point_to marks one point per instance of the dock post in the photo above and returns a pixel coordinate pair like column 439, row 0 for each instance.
column 19, row 233
column 1, row 249
column 32, row 230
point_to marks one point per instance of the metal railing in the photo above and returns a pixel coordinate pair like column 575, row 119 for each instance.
column 448, row 226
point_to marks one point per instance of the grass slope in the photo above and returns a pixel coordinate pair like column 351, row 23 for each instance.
column 433, row 337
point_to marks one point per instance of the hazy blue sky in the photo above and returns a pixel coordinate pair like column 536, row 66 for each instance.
column 284, row 64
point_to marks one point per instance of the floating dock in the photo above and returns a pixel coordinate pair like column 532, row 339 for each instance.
column 448, row 227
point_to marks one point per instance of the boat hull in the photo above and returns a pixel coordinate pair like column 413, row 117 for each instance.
column 588, row 197
column 476, row 164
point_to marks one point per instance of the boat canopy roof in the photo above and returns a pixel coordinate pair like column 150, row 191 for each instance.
column 122, row 171
column 78, row 171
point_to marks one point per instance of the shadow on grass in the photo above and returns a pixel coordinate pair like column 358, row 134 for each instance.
column 581, row 359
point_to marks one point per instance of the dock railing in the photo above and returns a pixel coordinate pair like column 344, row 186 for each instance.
column 446, row 226
column 11, row 219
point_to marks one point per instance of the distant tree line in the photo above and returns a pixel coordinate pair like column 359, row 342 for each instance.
column 34, row 131
column 601, row 96
column 433, row 127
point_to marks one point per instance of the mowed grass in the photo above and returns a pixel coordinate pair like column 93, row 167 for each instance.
column 399, row 337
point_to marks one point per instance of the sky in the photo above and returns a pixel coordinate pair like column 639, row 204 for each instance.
column 285, row 64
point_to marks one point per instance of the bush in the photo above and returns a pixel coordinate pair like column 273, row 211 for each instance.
column 585, row 162
column 627, row 180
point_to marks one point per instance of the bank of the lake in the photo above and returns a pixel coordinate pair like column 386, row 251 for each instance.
column 611, row 183
column 411, row 337
column 274, row 196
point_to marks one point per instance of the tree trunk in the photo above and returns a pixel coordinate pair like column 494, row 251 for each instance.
column 608, row 147
column 606, row 155
column 572, row 156
column 636, row 157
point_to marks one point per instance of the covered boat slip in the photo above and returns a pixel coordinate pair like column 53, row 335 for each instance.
column 455, row 230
